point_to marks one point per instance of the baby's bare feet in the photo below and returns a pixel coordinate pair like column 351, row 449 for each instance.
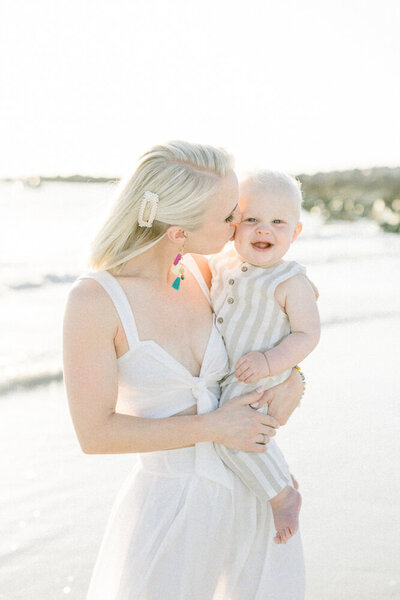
column 285, row 508
column 295, row 482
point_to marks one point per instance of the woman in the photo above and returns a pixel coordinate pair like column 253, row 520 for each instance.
column 142, row 359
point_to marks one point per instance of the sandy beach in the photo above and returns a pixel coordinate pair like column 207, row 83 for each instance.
column 56, row 500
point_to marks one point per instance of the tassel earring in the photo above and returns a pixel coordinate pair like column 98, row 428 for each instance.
column 178, row 269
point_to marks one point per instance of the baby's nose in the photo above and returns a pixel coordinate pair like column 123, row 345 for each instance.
column 263, row 228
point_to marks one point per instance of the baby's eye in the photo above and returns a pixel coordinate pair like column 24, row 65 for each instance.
column 251, row 219
column 277, row 221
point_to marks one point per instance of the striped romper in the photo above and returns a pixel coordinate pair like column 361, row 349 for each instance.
column 250, row 319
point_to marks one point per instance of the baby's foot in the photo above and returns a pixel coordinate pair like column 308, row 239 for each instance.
column 285, row 508
column 295, row 482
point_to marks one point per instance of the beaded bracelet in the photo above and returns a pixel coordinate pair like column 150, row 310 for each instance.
column 303, row 379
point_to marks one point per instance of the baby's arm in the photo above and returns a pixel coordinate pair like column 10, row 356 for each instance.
column 296, row 297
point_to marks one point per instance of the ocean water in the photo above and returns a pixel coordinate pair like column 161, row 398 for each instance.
column 44, row 234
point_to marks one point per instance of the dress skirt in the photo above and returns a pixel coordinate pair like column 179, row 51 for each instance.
column 176, row 535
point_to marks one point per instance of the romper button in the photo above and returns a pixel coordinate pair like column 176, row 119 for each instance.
column 231, row 281
column 230, row 300
column 244, row 269
column 220, row 320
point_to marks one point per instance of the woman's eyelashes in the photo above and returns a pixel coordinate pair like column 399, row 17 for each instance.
column 229, row 219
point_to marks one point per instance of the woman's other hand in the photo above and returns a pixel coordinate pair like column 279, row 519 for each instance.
column 241, row 427
column 283, row 398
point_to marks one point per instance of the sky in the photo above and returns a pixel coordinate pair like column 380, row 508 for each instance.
column 87, row 86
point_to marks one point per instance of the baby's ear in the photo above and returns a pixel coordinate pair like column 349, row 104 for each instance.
column 297, row 231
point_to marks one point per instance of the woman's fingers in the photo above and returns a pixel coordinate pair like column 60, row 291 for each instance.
column 267, row 420
column 243, row 429
column 253, row 398
column 262, row 438
column 260, row 448
column 268, row 431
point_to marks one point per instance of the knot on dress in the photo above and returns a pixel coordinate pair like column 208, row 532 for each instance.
column 199, row 385
column 206, row 400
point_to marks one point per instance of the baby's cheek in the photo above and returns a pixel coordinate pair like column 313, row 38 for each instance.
column 240, row 239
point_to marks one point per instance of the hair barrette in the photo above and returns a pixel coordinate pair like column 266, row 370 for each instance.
column 151, row 199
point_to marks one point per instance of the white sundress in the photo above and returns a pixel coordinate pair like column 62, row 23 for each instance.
column 183, row 526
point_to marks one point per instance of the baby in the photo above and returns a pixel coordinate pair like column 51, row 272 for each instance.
column 266, row 311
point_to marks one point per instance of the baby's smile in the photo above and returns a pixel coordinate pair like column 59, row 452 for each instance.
column 261, row 246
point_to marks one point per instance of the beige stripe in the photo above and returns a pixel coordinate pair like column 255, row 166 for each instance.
column 244, row 310
column 253, row 482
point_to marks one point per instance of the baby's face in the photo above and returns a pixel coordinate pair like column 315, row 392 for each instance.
column 269, row 225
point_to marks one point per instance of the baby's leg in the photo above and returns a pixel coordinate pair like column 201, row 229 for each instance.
column 287, row 503
column 267, row 475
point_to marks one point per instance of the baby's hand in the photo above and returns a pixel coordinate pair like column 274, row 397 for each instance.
column 251, row 367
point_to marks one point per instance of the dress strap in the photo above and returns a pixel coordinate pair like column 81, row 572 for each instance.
column 117, row 294
column 192, row 265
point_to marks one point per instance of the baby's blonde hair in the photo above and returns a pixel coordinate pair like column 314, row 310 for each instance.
column 184, row 176
column 277, row 181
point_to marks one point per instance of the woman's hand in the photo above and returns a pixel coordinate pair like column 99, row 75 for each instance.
column 240, row 426
column 283, row 398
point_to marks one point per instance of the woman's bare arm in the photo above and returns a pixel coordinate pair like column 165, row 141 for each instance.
column 91, row 381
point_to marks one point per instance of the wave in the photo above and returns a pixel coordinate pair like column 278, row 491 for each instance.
column 29, row 381
column 49, row 278
column 351, row 319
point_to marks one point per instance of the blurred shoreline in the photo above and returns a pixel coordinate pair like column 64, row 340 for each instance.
column 372, row 193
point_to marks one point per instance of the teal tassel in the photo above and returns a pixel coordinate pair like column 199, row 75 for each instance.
column 176, row 283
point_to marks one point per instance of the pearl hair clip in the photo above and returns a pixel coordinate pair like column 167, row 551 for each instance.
column 151, row 199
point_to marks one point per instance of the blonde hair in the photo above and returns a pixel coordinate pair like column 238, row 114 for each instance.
column 183, row 175
column 277, row 181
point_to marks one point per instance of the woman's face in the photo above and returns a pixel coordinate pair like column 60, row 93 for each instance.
column 222, row 215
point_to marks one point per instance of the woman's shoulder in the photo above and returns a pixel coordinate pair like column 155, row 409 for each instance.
column 86, row 290
column 88, row 303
